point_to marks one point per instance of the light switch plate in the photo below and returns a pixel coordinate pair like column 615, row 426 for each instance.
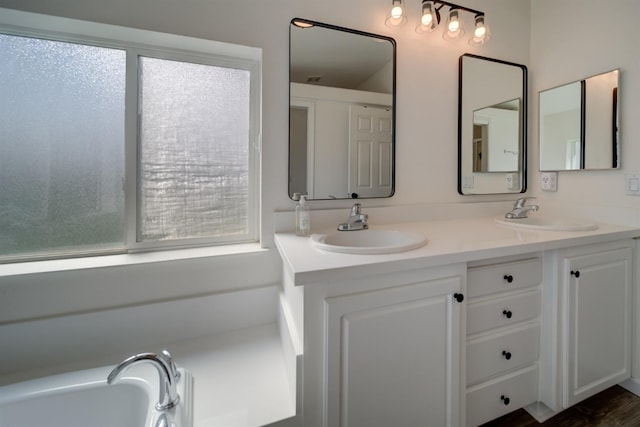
column 633, row 184
column 549, row 181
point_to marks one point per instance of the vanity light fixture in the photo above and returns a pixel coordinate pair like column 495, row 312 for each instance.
column 430, row 19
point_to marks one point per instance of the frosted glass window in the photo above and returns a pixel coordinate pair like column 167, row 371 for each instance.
column 194, row 150
column 61, row 146
column 104, row 148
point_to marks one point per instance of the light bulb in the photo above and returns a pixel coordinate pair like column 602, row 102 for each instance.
column 302, row 24
column 454, row 26
column 396, row 17
column 429, row 19
column 481, row 33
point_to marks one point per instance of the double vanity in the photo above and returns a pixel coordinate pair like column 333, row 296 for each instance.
column 485, row 317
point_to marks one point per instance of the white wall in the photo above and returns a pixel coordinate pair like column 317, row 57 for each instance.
column 427, row 97
column 427, row 70
column 571, row 40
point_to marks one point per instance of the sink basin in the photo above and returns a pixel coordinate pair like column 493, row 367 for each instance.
column 549, row 224
column 83, row 398
column 371, row 241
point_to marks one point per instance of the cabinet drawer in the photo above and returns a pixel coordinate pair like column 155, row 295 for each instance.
column 499, row 312
column 496, row 398
column 496, row 353
column 503, row 277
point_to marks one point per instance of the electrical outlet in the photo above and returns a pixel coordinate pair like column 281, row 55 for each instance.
column 467, row 181
column 512, row 181
column 549, row 181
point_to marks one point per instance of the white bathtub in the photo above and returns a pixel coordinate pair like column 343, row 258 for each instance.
column 83, row 399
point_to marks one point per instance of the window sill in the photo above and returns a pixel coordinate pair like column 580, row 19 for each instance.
column 99, row 261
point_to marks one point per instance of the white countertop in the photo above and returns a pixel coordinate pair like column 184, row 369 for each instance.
column 448, row 241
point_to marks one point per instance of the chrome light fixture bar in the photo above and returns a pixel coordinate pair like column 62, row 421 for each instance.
column 430, row 20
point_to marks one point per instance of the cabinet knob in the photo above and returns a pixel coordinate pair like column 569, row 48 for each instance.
column 458, row 297
column 507, row 313
column 505, row 399
column 575, row 273
column 506, row 354
column 508, row 278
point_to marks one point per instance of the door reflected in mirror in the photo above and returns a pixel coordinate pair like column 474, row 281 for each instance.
column 578, row 125
column 491, row 126
column 341, row 112
column 500, row 125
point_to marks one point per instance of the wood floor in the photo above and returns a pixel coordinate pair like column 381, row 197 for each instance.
column 614, row 407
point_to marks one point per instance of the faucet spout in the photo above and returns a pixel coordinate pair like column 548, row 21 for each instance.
column 357, row 220
column 167, row 371
column 521, row 209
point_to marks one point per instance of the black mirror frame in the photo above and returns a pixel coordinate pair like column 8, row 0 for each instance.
column 393, row 97
column 523, row 116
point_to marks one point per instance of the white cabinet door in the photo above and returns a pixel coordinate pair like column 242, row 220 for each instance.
column 393, row 356
column 599, row 322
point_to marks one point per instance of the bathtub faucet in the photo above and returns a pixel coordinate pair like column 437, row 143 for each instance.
column 167, row 370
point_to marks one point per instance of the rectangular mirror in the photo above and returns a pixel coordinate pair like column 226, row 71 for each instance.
column 578, row 125
column 341, row 112
column 492, row 111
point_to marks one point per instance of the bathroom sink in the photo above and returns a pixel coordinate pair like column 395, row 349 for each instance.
column 549, row 224
column 369, row 242
column 83, row 398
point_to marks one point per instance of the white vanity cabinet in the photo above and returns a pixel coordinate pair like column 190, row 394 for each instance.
column 543, row 323
column 597, row 282
column 503, row 336
column 390, row 349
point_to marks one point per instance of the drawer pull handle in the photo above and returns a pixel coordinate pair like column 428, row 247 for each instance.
column 506, row 354
column 458, row 297
column 507, row 313
column 508, row 278
column 575, row 273
column 505, row 399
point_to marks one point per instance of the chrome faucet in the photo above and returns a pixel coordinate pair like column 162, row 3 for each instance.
column 357, row 220
column 521, row 209
column 167, row 370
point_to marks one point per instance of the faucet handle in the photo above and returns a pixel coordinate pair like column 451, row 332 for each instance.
column 522, row 201
column 365, row 220
column 356, row 209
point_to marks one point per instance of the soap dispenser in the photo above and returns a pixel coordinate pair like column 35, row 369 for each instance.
column 303, row 217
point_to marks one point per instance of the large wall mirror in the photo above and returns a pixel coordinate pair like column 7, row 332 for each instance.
column 492, row 126
column 578, row 125
column 341, row 112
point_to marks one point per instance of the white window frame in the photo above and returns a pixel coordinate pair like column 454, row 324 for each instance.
column 145, row 43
